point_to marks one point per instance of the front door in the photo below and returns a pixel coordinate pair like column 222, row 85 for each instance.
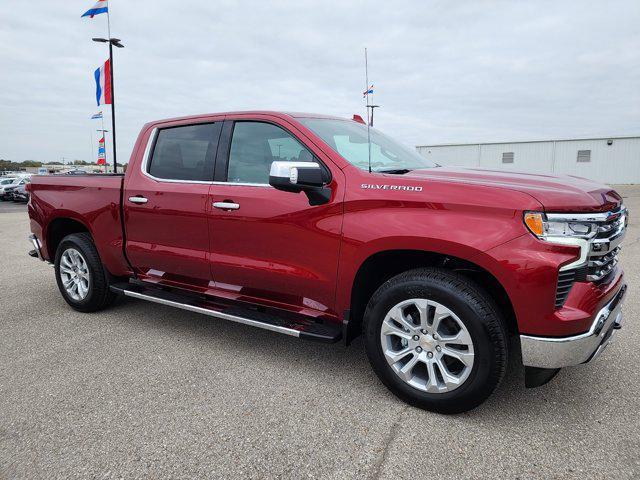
column 267, row 245
column 166, row 207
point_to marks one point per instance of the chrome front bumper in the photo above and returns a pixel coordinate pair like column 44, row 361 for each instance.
column 557, row 352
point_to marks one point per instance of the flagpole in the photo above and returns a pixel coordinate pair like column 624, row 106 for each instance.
column 91, row 142
column 111, row 42
column 113, row 99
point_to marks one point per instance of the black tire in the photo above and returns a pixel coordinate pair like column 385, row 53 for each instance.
column 472, row 306
column 99, row 296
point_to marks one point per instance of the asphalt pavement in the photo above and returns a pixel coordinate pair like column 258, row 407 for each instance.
column 10, row 206
column 146, row 391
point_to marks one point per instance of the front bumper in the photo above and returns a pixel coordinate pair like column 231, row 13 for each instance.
column 557, row 352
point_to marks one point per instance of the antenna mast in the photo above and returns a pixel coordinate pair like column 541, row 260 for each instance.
column 366, row 96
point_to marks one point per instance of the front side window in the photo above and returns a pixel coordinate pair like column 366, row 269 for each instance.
column 255, row 145
column 185, row 153
column 352, row 141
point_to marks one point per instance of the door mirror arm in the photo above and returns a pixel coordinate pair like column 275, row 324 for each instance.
column 296, row 177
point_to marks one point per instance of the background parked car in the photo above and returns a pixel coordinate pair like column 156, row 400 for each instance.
column 6, row 191
column 7, row 183
column 20, row 193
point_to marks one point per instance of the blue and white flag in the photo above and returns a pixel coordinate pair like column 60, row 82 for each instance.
column 96, row 116
column 367, row 91
column 101, row 6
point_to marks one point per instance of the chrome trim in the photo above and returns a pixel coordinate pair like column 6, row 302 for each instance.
column 557, row 352
column 588, row 243
column 282, row 169
column 37, row 246
column 576, row 242
column 242, row 184
column 145, row 161
column 226, row 205
column 213, row 313
column 586, row 217
column 138, row 200
column 613, row 242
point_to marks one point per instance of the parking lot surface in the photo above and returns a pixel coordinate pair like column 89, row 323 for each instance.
column 8, row 207
column 143, row 390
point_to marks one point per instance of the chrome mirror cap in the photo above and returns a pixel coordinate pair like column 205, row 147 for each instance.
column 286, row 169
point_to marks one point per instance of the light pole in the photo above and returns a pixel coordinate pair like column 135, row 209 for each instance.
column 112, row 42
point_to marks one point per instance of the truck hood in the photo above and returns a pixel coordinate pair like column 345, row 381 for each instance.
column 557, row 193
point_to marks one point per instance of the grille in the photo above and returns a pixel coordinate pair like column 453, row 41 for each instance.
column 602, row 257
column 565, row 282
column 605, row 246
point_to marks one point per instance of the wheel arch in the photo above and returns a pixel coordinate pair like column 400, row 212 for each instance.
column 60, row 227
column 380, row 266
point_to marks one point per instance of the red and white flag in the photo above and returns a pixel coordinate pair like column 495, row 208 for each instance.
column 103, row 84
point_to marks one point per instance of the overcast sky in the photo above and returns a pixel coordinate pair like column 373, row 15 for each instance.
column 444, row 71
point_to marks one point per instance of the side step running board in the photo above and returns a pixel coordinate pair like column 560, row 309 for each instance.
column 297, row 327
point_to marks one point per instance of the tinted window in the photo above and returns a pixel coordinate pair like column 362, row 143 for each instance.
column 185, row 153
column 255, row 145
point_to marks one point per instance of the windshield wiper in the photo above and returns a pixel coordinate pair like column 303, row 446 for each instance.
column 395, row 171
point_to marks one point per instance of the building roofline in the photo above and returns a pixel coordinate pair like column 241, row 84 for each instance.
column 527, row 141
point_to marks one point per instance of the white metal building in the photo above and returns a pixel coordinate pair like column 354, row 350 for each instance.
column 607, row 160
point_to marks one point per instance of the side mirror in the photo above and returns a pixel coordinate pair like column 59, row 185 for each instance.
column 308, row 177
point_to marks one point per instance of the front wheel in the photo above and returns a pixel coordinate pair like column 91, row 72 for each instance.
column 81, row 278
column 436, row 340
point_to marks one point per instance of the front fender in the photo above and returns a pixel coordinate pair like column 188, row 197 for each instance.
column 455, row 232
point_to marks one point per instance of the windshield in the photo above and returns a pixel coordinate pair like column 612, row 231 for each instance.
column 6, row 181
column 349, row 139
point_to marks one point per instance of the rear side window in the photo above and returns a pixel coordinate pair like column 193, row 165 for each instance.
column 185, row 153
column 255, row 145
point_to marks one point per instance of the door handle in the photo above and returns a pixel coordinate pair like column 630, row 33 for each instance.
column 226, row 205
column 138, row 199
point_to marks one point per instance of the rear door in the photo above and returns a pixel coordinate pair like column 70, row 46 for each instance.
column 166, row 207
column 269, row 246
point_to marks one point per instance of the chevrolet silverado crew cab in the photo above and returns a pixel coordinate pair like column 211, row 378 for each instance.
column 313, row 227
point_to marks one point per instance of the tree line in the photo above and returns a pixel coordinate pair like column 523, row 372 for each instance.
column 11, row 165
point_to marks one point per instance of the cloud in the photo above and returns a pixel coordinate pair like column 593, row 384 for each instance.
column 444, row 71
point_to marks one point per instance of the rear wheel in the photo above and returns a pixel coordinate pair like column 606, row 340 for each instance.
column 436, row 340
column 81, row 278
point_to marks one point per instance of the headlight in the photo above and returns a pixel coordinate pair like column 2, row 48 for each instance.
column 555, row 228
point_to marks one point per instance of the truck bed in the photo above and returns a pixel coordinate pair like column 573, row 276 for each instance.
column 93, row 201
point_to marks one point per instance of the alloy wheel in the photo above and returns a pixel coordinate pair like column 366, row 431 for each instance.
column 427, row 345
column 74, row 273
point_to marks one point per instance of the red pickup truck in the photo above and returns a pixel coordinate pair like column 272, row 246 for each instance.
column 316, row 227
